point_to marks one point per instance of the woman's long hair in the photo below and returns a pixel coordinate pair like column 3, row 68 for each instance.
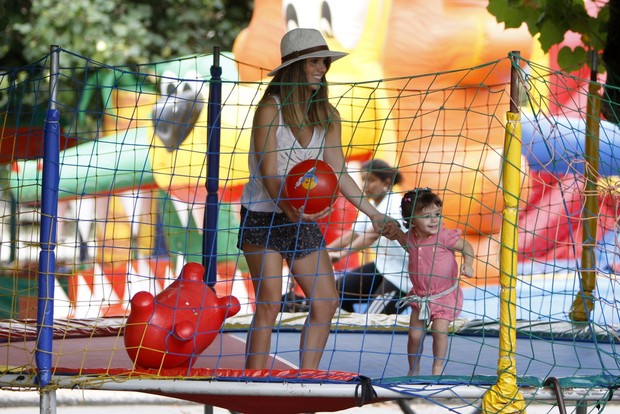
column 301, row 105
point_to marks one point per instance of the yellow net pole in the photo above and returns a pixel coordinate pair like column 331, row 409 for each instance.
column 504, row 396
column 583, row 303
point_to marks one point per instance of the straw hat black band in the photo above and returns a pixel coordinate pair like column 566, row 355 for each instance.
column 299, row 53
column 301, row 43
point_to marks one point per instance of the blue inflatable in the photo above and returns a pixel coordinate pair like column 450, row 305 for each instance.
column 557, row 145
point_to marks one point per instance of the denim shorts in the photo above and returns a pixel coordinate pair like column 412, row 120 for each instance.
column 276, row 232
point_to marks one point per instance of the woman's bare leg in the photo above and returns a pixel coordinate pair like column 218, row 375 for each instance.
column 314, row 274
column 266, row 271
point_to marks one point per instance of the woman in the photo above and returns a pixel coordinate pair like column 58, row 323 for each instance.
column 376, row 286
column 294, row 121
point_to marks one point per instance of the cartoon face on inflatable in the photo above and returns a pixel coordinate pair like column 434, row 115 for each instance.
column 176, row 326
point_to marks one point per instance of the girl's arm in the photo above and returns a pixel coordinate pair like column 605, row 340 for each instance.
column 467, row 251
column 401, row 238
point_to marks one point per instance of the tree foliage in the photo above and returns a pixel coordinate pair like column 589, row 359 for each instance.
column 550, row 20
column 118, row 32
column 113, row 32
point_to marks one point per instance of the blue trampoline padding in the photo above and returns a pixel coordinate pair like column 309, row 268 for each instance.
column 477, row 380
column 586, row 382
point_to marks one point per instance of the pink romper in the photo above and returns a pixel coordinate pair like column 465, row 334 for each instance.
column 433, row 270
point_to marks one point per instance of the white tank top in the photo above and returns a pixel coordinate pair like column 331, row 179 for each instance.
column 255, row 196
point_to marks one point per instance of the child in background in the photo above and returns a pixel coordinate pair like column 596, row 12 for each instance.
column 380, row 283
column 436, row 297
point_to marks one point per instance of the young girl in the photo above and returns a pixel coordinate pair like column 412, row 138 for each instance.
column 436, row 297
column 294, row 121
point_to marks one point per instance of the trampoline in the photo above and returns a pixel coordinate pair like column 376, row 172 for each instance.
column 359, row 366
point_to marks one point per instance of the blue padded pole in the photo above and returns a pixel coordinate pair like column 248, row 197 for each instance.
column 209, row 240
column 49, row 210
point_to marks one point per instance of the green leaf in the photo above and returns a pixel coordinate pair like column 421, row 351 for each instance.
column 504, row 13
column 551, row 33
column 572, row 60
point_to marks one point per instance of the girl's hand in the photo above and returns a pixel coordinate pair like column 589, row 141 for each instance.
column 467, row 270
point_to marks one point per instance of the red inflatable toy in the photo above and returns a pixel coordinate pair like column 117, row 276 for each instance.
column 176, row 326
column 313, row 184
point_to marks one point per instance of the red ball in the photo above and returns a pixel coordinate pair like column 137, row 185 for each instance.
column 312, row 184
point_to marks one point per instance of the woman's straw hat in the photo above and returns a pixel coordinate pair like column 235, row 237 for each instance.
column 299, row 44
